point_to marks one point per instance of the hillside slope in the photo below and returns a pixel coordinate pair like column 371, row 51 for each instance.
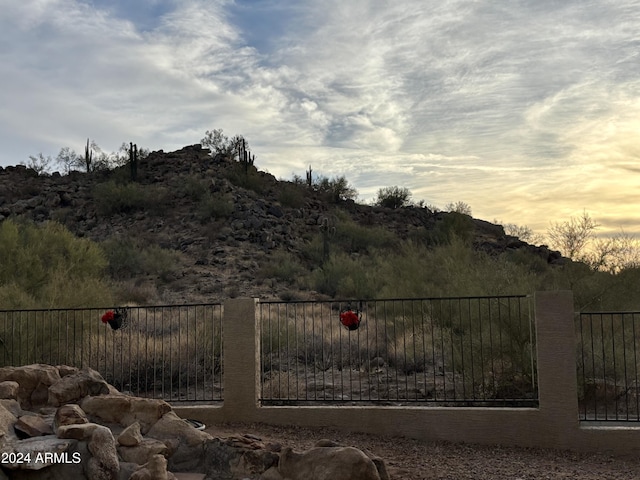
column 214, row 225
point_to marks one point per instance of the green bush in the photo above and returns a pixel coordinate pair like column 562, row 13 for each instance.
column 449, row 226
column 194, row 188
column 111, row 197
column 336, row 188
column 215, row 206
column 47, row 266
column 346, row 277
column 291, row 196
column 129, row 259
column 353, row 237
column 393, row 197
column 249, row 179
column 281, row 265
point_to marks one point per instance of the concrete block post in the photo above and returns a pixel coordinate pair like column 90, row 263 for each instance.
column 241, row 348
column 557, row 377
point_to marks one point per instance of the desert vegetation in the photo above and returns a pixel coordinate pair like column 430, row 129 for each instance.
column 324, row 246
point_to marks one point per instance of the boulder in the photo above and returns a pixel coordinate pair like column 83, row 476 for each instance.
column 131, row 436
column 327, row 463
column 155, row 469
column 34, row 381
column 70, row 414
column 74, row 386
column 238, row 457
column 65, row 370
column 9, row 390
column 104, row 463
column 32, row 426
column 377, row 461
column 42, row 452
column 81, row 431
column 125, row 410
column 13, row 406
column 7, row 420
column 185, row 442
column 143, row 452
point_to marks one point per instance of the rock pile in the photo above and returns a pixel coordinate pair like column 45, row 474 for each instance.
column 61, row 422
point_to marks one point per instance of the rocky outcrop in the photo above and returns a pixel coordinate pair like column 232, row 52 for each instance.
column 106, row 435
column 255, row 217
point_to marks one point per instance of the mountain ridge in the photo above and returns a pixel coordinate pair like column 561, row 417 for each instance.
column 224, row 221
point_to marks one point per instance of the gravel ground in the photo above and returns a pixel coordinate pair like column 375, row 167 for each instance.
column 408, row 459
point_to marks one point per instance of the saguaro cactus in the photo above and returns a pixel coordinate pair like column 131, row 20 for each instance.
column 88, row 156
column 133, row 161
column 309, row 178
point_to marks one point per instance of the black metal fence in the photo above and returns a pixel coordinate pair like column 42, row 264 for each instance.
column 474, row 351
column 168, row 352
column 609, row 366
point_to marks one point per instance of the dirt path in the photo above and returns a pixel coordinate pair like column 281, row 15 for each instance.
column 414, row 460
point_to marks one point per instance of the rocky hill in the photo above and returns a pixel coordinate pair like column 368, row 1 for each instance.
column 220, row 220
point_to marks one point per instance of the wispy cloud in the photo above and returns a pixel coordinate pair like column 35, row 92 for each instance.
column 527, row 111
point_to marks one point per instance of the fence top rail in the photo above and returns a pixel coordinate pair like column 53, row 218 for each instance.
column 78, row 309
column 410, row 299
column 619, row 312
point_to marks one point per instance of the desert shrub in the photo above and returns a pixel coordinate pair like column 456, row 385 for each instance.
column 342, row 275
column 393, row 197
column 46, row 266
column 214, row 206
column 353, row 237
column 451, row 225
column 336, row 188
column 281, row 265
column 194, row 188
column 248, row 178
column 458, row 207
column 291, row 196
column 111, row 197
column 130, row 258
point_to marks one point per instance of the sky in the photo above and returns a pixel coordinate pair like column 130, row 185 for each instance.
column 526, row 110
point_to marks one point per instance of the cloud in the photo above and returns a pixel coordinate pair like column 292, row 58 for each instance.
column 524, row 110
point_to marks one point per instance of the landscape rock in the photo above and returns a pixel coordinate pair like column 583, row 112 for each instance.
column 43, row 452
column 130, row 436
column 32, row 426
column 104, row 463
column 143, row 452
column 377, row 461
column 327, row 463
column 74, row 386
column 154, row 439
column 12, row 406
column 82, row 431
column 70, row 414
column 9, row 390
column 185, row 442
column 34, row 381
column 155, row 469
column 125, row 410
column 7, row 421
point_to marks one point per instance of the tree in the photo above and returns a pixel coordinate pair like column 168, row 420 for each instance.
column 337, row 188
column 220, row 144
column 69, row 159
column 459, row 207
column 572, row 236
column 393, row 197
column 39, row 163
column 523, row 232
